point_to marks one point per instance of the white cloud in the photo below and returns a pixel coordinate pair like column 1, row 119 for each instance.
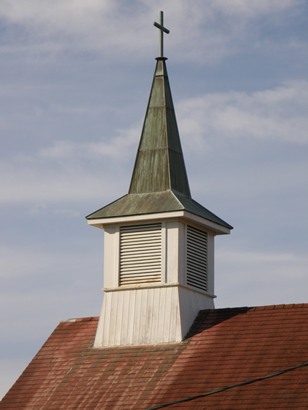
column 34, row 182
column 93, row 23
column 114, row 148
column 253, row 8
column 61, row 172
column 275, row 114
column 38, row 185
column 64, row 15
column 207, row 31
column 67, row 13
column 42, row 208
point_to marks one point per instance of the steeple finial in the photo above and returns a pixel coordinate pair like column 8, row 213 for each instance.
column 162, row 31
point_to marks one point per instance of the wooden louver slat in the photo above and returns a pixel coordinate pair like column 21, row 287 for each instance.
column 196, row 258
column 140, row 254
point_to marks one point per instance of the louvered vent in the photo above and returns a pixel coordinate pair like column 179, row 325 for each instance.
column 140, row 254
column 196, row 258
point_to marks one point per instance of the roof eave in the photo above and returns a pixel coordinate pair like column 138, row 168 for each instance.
column 181, row 215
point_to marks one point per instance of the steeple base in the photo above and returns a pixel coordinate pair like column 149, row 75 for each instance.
column 151, row 315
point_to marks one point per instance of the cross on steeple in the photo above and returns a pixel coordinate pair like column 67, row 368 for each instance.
column 162, row 31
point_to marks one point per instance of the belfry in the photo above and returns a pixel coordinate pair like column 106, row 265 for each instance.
column 158, row 241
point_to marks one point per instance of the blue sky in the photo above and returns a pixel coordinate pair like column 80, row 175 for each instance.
column 75, row 77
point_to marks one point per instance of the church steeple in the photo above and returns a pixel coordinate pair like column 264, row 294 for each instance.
column 158, row 241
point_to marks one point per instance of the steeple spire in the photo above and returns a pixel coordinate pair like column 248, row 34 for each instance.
column 160, row 163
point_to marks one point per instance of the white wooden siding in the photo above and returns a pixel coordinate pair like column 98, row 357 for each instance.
column 155, row 315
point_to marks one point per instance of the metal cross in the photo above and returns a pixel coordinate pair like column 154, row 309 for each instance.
column 162, row 31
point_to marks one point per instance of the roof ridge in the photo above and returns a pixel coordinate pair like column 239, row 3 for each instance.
column 260, row 307
column 80, row 319
column 227, row 309
column 280, row 306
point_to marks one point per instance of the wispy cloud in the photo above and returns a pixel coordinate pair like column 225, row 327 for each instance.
column 60, row 171
column 254, row 8
column 274, row 114
column 69, row 170
column 212, row 29
column 37, row 184
column 113, row 148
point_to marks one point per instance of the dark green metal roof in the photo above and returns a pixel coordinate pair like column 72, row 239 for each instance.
column 159, row 182
column 160, row 163
column 155, row 202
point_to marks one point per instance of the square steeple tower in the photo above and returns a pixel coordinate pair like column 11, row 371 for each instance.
column 159, row 242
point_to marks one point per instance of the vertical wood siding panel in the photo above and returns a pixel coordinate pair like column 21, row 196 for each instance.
column 131, row 315
column 149, row 316
column 119, row 319
column 113, row 317
column 106, row 324
column 153, row 315
column 138, row 306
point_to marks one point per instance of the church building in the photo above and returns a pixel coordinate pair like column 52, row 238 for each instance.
column 159, row 341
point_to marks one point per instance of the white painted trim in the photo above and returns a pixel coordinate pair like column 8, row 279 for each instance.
column 182, row 253
column 204, row 223
column 185, row 254
column 117, row 257
column 148, row 286
column 157, row 286
column 210, row 263
column 135, row 218
column 163, row 253
column 111, row 252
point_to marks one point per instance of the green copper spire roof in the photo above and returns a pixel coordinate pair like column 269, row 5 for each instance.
column 160, row 164
column 159, row 181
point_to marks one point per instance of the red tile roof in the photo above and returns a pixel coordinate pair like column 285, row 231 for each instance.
column 224, row 347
